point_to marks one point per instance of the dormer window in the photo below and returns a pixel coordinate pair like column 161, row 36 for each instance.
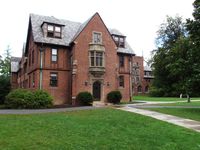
column 97, row 38
column 119, row 40
column 53, row 31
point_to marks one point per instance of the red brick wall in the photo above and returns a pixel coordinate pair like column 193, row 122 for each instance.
column 139, row 60
column 61, row 93
column 81, row 54
column 125, row 71
column 13, row 81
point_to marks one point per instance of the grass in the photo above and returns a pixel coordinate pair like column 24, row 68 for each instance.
column 149, row 98
column 93, row 129
column 189, row 113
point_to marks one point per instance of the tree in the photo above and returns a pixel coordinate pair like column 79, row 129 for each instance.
column 193, row 27
column 5, row 63
column 170, row 61
column 5, row 75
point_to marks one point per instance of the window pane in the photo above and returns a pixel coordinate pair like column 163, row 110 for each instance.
column 50, row 34
column 121, row 61
column 121, row 81
column 53, row 79
column 92, row 61
column 121, row 39
column 97, row 37
column 57, row 34
column 50, row 28
column 54, row 58
column 91, row 53
column 99, row 56
column 57, row 29
column 54, row 51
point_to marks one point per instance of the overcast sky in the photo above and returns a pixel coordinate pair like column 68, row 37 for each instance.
column 137, row 19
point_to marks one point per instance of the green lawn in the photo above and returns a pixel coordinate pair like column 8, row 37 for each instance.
column 189, row 113
column 93, row 129
column 148, row 98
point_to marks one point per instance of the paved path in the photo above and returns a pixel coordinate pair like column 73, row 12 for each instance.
column 37, row 111
column 187, row 123
column 153, row 106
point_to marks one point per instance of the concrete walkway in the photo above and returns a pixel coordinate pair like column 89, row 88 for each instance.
column 154, row 106
column 187, row 123
column 38, row 111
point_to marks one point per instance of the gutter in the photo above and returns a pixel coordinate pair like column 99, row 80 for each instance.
column 41, row 66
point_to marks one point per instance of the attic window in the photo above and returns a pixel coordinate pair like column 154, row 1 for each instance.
column 119, row 40
column 54, row 31
column 97, row 38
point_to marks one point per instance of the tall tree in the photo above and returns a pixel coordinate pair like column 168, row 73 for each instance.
column 5, row 63
column 193, row 27
column 170, row 58
column 5, row 75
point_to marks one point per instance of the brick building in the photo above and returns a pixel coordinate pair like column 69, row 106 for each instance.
column 65, row 58
column 141, row 76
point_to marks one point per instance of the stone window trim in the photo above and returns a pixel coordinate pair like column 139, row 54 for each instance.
column 97, row 59
column 53, row 79
column 54, row 55
column 54, row 31
column 96, row 37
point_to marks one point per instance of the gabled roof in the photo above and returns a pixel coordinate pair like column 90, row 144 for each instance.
column 70, row 31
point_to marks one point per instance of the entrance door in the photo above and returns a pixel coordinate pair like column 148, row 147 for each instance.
column 97, row 90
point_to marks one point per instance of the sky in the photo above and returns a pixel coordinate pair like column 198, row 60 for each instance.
column 138, row 20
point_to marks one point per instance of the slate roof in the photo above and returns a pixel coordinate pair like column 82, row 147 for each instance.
column 69, row 32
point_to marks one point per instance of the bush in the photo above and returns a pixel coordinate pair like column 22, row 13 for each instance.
column 85, row 98
column 4, row 88
column 22, row 98
column 156, row 92
column 114, row 97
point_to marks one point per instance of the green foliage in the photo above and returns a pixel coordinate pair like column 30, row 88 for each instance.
column 5, row 75
column 4, row 88
column 5, row 63
column 114, row 97
column 22, row 98
column 85, row 98
column 171, row 60
column 193, row 25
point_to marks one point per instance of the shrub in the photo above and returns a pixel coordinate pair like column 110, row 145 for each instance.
column 22, row 98
column 4, row 88
column 114, row 97
column 155, row 92
column 85, row 98
column 42, row 99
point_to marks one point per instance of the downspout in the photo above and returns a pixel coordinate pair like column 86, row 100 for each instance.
column 130, row 72
column 41, row 66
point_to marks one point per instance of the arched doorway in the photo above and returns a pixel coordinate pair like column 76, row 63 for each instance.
column 96, row 90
